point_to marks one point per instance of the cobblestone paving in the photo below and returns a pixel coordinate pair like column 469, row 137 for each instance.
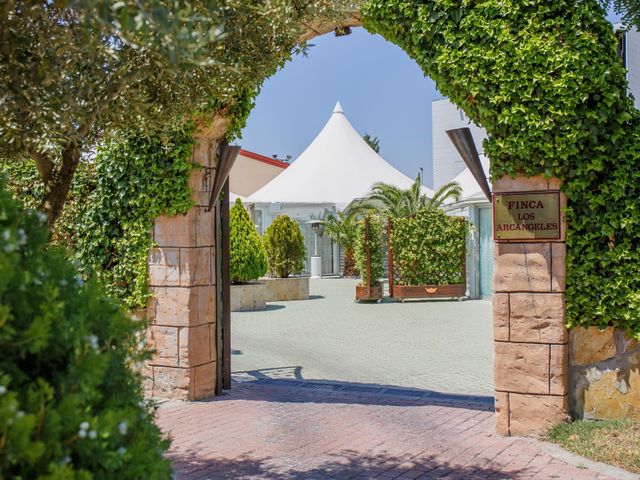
column 298, row 430
column 439, row 345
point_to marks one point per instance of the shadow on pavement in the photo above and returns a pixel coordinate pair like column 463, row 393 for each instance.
column 261, row 385
column 345, row 464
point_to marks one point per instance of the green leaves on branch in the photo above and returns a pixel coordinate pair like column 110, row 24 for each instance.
column 429, row 248
column 284, row 244
column 369, row 243
column 70, row 406
column 248, row 259
column 543, row 78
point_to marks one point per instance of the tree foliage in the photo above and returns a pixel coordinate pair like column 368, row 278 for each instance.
column 343, row 229
column 284, row 244
column 369, row 243
column 70, row 407
column 544, row 79
column 73, row 73
column 247, row 255
column 629, row 10
column 373, row 142
column 395, row 202
column 429, row 248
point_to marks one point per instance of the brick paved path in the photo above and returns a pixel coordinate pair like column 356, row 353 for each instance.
column 292, row 430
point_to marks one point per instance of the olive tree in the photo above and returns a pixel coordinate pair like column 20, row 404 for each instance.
column 74, row 72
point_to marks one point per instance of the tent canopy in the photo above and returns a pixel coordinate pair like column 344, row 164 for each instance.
column 337, row 167
column 470, row 188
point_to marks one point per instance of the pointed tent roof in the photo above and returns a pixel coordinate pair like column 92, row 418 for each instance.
column 337, row 167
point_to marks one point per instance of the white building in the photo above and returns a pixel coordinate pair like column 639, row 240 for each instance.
column 335, row 169
column 448, row 165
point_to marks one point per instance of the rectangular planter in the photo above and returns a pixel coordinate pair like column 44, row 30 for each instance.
column 401, row 292
column 248, row 297
column 284, row 289
column 374, row 294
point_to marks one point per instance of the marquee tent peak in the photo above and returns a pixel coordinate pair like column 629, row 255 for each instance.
column 336, row 168
column 338, row 108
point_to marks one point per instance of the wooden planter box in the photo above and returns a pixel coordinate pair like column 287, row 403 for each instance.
column 401, row 292
column 375, row 294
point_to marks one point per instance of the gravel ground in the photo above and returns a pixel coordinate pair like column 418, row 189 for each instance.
column 435, row 345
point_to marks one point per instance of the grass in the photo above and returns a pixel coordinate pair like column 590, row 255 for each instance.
column 616, row 442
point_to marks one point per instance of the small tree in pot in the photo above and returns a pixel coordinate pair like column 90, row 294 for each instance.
column 248, row 260
column 368, row 251
column 284, row 244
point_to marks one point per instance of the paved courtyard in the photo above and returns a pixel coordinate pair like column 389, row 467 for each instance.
column 284, row 429
column 439, row 345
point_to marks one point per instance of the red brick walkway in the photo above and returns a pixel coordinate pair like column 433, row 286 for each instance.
column 276, row 430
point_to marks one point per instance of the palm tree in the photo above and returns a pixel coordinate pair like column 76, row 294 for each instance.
column 343, row 229
column 395, row 202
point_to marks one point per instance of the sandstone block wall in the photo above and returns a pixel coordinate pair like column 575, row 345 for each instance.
column 604, row 374
column 530, row 340
column 182, row 310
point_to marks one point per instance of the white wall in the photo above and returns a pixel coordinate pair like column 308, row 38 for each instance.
column 447, row 162
column 633, row 63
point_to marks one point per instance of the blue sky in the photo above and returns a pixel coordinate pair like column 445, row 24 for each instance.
column 383, row 93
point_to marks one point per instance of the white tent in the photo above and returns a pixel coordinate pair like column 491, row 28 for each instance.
column 338, row 167
column 471, row 191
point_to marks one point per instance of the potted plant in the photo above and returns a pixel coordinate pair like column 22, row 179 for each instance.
column 428, row 261
column 248, row 261
column 284, row 245
column 369, row 257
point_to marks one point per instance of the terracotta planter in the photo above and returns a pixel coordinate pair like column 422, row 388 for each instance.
column 363, row 295
column 284, row 289
column 401, row 292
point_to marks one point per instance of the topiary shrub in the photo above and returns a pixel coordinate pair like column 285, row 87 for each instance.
column 247, row 256
column 70, row 406
column 429, row 248
column 284, row 244
column 372, row 237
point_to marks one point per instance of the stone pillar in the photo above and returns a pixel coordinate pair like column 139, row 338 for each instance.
column 530, row 340
column 182, row 312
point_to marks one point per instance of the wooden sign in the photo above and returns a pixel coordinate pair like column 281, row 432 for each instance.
column 526, row 216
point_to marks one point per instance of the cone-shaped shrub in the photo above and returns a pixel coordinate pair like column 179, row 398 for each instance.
column 284, row 243
column 248, row 259
column 70, row 406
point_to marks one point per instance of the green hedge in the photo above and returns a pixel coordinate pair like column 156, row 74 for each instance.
column 248, row 260
column 545, row 81
column 376, row 249
column 429, row 248
column 284, row 244
column 70, row 407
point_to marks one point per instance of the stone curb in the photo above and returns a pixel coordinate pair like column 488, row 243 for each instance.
column 582, row 462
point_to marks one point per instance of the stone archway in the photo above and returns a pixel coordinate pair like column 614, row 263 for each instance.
column 530, row 358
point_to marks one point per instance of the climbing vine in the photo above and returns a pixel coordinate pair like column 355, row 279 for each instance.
column 544, row 79
column 138, row 178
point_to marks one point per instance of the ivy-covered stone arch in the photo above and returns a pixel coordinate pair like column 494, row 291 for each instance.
column 544, row 80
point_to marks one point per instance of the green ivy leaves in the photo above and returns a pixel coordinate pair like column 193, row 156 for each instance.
column 429, row 248
column 545, row 81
